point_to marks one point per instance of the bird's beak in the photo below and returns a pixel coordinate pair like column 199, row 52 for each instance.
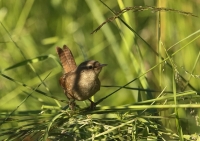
column 103, row 65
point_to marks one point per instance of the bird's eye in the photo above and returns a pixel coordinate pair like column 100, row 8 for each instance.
column 90, row 67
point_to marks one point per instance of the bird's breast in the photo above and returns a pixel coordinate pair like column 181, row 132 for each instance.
column 81, row 86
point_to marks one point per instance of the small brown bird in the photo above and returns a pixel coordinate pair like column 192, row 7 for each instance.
column 79, row 83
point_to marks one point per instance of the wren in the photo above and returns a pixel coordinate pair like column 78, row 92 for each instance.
column 79, row 82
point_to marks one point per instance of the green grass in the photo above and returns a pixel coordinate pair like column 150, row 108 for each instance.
column 150, row 88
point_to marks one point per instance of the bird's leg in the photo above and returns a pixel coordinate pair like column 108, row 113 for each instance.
column 72, row 104
column 92, row 105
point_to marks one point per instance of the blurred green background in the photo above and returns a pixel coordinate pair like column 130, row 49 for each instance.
column 37, row 27
column 34, row 28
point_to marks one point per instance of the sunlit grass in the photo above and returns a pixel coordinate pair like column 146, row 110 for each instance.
column 152, row 77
